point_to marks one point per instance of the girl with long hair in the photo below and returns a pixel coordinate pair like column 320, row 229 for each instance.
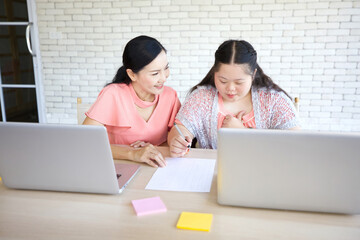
column 235, row 93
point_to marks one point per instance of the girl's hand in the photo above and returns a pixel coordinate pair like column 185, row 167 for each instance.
column 234, row 122
column 179, row 146
column 148, row 154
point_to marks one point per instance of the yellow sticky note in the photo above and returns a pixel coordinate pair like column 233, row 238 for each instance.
column 195, row 221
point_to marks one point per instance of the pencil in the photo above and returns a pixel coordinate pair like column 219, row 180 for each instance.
column 182, row 135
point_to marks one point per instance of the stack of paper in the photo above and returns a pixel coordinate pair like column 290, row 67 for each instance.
column 148, row 206
column 195, row 221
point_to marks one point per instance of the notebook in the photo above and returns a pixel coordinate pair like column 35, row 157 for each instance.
column 290, row 170
column 71, row 158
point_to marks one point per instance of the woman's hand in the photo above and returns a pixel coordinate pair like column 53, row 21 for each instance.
column 148, row 154
column 138, row 144
column 234, row 122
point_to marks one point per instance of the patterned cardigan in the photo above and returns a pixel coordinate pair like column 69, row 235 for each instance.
column 199, row 113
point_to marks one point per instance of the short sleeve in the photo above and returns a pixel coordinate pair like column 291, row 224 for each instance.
column 112, row 106
column 175, row 110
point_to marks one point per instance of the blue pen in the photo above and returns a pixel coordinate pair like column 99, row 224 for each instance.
column 182, row 135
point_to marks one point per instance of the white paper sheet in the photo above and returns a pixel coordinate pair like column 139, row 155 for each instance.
column 184, row 175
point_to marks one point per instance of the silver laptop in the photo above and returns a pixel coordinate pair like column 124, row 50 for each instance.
column 71, row 158
column 291, row 170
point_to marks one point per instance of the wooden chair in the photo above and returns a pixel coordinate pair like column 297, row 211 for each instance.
column 81, row 110
column 297, row 103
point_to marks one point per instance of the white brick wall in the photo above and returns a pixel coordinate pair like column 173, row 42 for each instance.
column 311, row 48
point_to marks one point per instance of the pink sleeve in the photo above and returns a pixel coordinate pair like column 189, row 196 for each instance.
column 111, row 107
column 175, row 110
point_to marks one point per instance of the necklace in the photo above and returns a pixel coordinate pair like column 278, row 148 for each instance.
column 139, row 102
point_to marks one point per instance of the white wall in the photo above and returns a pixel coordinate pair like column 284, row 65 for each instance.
column 309, row 47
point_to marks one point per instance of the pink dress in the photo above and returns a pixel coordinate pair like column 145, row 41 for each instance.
column 115, row 108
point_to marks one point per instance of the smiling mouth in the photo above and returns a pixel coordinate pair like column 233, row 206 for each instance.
column 160, row 86
column 230, row 95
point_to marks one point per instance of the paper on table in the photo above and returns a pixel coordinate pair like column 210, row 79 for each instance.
column 184, row 174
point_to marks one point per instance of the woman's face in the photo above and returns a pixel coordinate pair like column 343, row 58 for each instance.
column 233, row 81
column 150, row 80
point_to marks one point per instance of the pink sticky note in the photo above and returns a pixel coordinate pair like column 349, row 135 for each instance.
column 148, row 206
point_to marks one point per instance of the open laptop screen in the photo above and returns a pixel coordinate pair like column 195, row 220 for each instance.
column 292, row 170
column 55, row 157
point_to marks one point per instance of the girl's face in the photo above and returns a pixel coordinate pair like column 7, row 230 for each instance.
column 233, row 81
column 150, row 80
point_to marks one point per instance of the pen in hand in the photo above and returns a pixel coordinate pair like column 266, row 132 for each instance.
column 182, row 135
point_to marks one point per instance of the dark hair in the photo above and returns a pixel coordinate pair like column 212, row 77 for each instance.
column 138, row 53
column 239, row 52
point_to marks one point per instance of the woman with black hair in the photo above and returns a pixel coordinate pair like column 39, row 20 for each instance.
column 234, row 94
column 136, row 108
